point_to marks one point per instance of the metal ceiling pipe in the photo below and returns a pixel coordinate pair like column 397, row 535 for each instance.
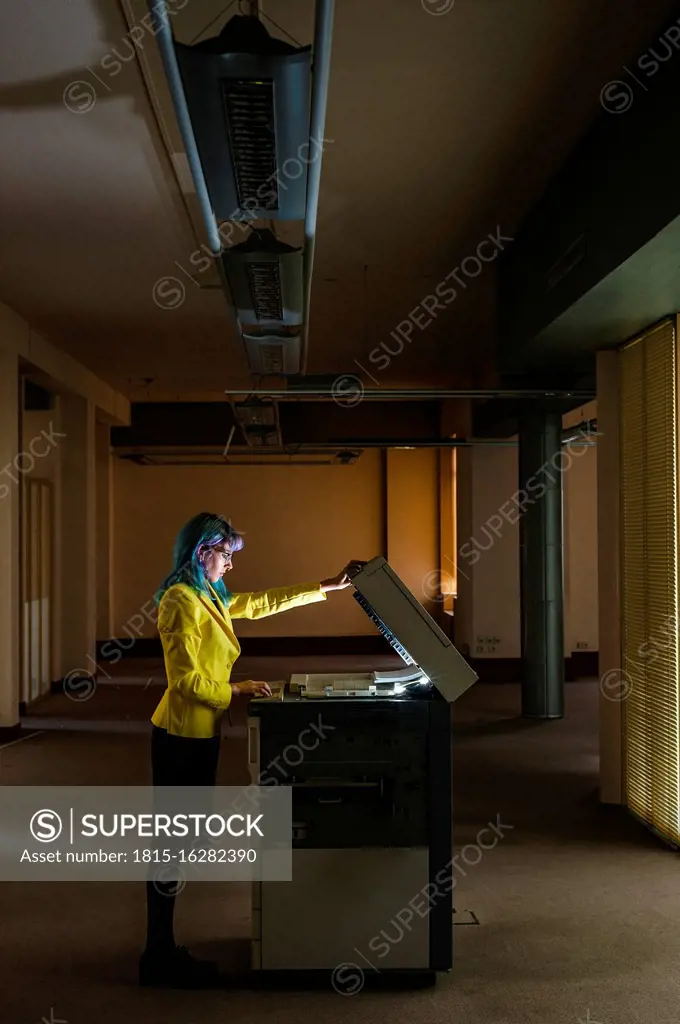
column 323, row 38
column 143, row 460
column 356, row 443
column 410, row 394
column 166, row 44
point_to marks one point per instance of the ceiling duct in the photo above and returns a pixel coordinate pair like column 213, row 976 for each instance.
column 259, row 423
column 256, row 414
column 248, row 96
column 262, row 437
column 273, row 354
column 265, row 280
column 320, row 387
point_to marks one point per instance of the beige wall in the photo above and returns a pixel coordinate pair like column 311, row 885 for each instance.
column 77, row 535
column 304, row 523
column 300, row 523
column 40, row 433
column 413, row 519
column 37, row 426
column 493, row 556
column 490, row 557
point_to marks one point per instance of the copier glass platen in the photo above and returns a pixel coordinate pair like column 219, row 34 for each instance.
column 372, row 845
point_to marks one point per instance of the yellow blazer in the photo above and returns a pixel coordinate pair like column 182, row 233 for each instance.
column 200, row 648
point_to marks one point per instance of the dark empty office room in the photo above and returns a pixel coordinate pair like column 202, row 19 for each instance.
column 339, row 511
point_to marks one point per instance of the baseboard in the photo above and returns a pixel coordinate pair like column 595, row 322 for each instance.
column 579, row 665
column 585, row 664
column 75, row 681
column 25, row 706
column 497, row 670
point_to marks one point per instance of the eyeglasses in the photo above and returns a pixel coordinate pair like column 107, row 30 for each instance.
column 225, row 554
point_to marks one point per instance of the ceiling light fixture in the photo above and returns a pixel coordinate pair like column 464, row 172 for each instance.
column 248, row 96
column 265, row 280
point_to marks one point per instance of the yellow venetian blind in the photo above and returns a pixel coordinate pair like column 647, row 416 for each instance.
column 649, row 475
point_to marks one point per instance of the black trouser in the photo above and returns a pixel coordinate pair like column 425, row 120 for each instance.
column 175, row 761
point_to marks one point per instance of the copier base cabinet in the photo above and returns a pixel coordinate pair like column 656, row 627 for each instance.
column 372, row 873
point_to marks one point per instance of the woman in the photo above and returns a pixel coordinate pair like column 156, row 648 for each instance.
column 200, row 648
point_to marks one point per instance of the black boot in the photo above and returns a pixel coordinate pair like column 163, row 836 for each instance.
column 176, row 968
column 163, row 964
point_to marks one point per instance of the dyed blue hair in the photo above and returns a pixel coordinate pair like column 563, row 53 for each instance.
column 207, row 528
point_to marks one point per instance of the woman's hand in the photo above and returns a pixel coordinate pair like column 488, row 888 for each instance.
column 251, row 688
column 344, row 578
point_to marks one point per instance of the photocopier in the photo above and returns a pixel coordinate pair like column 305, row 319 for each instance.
column 372, row 835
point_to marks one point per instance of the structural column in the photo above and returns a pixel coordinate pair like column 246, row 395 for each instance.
column 77, row 535
column 540, row 483
column 10, row 475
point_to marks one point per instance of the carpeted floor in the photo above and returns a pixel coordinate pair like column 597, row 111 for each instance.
column 577, row 905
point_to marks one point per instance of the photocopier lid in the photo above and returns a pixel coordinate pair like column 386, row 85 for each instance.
column 410, row 629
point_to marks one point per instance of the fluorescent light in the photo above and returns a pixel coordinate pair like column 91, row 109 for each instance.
column 265, row 280
column 248, row 95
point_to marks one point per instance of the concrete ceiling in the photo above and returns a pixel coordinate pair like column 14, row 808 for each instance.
column 444, row 128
